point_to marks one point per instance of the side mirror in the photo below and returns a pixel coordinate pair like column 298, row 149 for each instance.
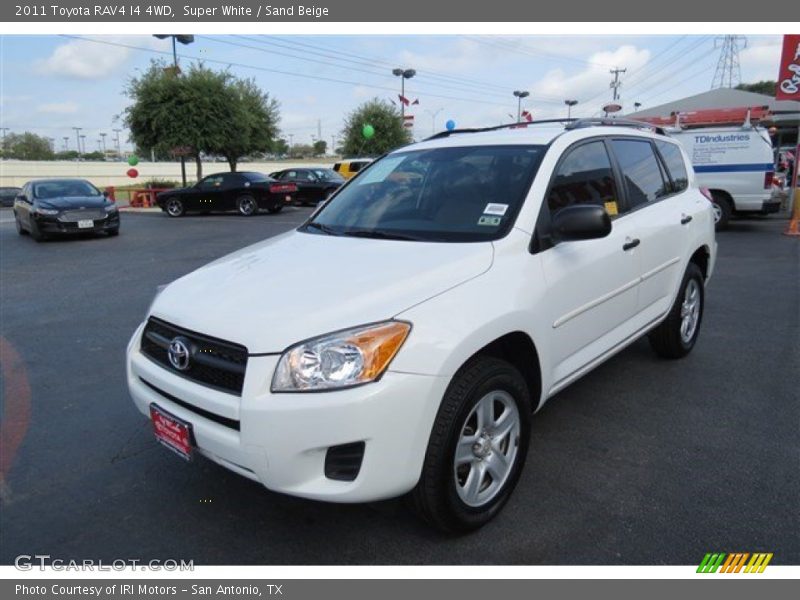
column 20, row 198
column 580, row 222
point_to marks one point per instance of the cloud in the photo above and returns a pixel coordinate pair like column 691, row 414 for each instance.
column 59, row 108
column 84, row 59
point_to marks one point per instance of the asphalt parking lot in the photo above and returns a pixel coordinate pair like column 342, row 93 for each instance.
column 641, row 462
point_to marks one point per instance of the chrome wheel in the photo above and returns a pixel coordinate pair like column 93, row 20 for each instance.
column 717, row 211
column 174, row 208
column 247, row 206
column 690, row 311
column 487, row 448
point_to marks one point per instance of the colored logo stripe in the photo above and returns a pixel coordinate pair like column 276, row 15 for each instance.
column 711, row 563
column 734, row 562
column 761, row 167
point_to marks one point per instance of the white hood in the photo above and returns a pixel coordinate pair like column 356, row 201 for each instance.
column 299, row 285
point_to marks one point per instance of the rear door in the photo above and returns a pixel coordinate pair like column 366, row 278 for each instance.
column 656, row 217
column 593, row 283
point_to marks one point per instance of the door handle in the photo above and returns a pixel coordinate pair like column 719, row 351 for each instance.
column 630, row 244
column 685, row 219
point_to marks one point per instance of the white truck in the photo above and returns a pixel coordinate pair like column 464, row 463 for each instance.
column 736, row 164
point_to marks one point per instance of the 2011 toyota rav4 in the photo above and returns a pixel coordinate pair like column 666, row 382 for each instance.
column 401, row 338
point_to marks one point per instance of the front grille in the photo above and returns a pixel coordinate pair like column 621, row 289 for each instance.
column 70, row 216
column 212, row 362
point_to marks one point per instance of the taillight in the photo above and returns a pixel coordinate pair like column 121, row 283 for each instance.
column 769, row 177
column 707, row 193
column 282, row 188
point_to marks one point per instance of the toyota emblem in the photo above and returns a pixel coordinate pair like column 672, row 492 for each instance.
column 179, row 353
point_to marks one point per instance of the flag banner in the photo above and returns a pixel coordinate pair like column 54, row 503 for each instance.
column 788, row 87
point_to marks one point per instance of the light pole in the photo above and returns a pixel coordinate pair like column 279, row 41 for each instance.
column 520, row 94
column 116, row 139
column 66, row 143
column 78, row 139
column 103, row 135
column 185, row 40
column 82, row 141
column 433, row 114
column 570, row 104
column 403, row 74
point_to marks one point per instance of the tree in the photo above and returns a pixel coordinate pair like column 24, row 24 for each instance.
column 760, row 87
column 280, row 147
column 384, row 118
column 27, row 146
column 320, row 147
column 199, row 112
column 254, row 122
column 301, row 151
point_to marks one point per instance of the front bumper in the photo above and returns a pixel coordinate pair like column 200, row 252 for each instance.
column 50, row 225
column 282, row 439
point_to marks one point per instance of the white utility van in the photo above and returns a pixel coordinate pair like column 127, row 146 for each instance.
column 736, row 164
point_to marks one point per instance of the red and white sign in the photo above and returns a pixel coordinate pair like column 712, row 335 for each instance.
column 408, row 121
column 172, row 432
column 612, row 108
column 788, row 87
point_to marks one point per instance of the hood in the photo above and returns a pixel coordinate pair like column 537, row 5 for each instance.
column 72, row 202
column 300, row 285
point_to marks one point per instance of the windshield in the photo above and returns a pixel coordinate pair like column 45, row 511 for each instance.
column 462, row 194
column 328, row 175
column 68, row 188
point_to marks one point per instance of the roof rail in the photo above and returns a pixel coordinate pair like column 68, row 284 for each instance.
column 613, row 122
column 520, row 125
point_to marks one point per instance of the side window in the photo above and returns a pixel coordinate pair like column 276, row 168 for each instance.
column 640, row 171
column 355, row 167
column 673, row 158
column 289, row 175
column 584, row 177
column 211, row 182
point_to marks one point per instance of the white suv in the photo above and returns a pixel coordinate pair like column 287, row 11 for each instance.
column 400, row 340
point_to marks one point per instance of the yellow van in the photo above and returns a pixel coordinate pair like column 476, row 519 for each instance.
column 351, row 166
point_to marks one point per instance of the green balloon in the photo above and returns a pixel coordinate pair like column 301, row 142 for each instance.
column 368, row 131
column 133, row 160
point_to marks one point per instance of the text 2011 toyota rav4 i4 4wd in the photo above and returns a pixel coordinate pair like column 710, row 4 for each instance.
column 400, row 339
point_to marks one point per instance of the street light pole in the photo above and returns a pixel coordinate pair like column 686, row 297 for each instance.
column 103, row 135
column 116, row 139
column 403, row 74
column 78, row 139
column 433, row 114
column 570, row 104
column 520, row 94
column 185, row 40
column 82, row 140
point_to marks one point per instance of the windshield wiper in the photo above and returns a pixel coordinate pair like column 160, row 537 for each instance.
column 381, row 234
column 323, row 228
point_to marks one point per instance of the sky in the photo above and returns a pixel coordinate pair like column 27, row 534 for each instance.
column 50, row 84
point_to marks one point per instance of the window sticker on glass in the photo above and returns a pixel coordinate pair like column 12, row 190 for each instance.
column 492, row 221
column 380, row 171
column 611, row 207
column 495, row 209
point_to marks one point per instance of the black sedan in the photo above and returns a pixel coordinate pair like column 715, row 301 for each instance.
column 245, row 192
column 8, row 194
column 46, row 207
column 313, row 184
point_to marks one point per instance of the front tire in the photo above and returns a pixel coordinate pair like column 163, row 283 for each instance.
column 246, row 205
column 175, row 208
column 722, row 210
column 477, row 447
column 113, row 232
column 676, row 335
column 18, row 225
column 36, row 233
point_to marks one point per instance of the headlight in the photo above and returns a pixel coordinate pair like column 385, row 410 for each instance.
column 111, row 208
column 340, row 359
column 47, row 211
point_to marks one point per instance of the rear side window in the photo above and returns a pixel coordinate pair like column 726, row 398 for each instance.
column 677, row 168
column 640, row 171
column 355, row 167
column 584, row 177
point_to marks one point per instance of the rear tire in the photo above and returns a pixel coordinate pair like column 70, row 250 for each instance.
column 676, row 335
column 246, row 205
column 722, row 210
column 475, row 455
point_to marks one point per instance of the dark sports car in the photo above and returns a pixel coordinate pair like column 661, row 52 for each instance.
column 48, row 207
column 313, row 184
column 245, row 192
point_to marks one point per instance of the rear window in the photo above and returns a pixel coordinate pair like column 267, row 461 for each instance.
column 355, row 167
column 640, row 170
column 677, row 168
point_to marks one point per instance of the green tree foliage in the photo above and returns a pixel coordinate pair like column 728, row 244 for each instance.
column 760, row 87
column 389, row 130
column 27, row 146
column 320, row 147
column 199, row 112
column 280, row 147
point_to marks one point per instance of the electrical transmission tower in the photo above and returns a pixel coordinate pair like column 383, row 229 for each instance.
column 729, row 72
